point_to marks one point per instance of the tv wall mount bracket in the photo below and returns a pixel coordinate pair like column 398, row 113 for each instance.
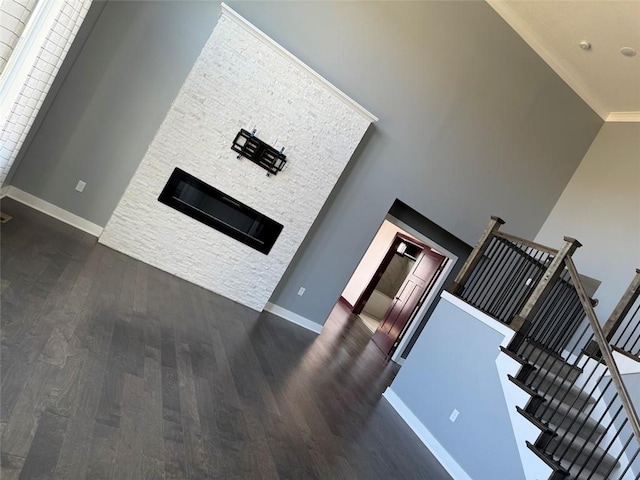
column 247, row 145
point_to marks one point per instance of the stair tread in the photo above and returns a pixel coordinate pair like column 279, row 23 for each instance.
column 556, row 382
column 577, row 450
column 575, row 472
column 593, row 457
column 589, row 431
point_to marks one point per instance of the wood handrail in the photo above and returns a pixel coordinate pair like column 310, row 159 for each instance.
column 622, row 351
column 528, row 243
column 622, row 308
column 605, row 348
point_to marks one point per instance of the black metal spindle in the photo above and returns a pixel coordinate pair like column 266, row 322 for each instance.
column 535, row 275
column 512, row 272
column 471, row 290
column 636, row 325
column 488, row 289
column 629, row 322
column 608, row 447
column 630, row 463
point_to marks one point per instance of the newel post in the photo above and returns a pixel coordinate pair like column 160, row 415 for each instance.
column 474, row 257
column 624, row 305
column 544, row 286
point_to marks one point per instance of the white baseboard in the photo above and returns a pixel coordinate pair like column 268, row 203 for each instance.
column 426, row 437
column 4, row 191
column 293, row 317
column 51, row 210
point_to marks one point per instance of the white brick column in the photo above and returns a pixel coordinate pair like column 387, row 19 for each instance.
column 14, row 15
column 31, row 69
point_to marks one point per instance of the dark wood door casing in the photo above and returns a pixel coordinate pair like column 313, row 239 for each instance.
column 386, row 260
column 427, row 266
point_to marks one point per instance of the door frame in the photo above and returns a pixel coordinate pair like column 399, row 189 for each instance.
column 431, row 295
column 386, row 260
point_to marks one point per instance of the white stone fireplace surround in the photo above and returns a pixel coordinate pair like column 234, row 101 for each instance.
column 242, row 79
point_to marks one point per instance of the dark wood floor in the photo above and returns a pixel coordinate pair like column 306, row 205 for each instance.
column 113, row 369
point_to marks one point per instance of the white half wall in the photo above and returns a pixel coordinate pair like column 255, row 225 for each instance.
column 241, row 79
column 453, row 367
column 601, row 207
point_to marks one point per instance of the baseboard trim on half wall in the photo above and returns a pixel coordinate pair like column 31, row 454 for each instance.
column 425, row 436
column 293, row 317
column 52, row 210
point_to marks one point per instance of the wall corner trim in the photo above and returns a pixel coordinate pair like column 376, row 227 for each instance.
column 53, row 211
column 293, row 317
column 244, row 23
column 425, row 436
column 623, row 117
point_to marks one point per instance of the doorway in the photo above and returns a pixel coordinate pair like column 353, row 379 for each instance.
column 397, row 279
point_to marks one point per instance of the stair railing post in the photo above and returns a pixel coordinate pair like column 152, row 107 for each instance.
column 622, row 309
column 544, row 286
column 474, row 257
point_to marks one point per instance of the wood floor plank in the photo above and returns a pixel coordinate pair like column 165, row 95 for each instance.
column 74, row 456
column 194, row 448
column 104, row 447
column 11, row 466
column 209, row 425
column 43, row 454
column 21, row 426
column 152, row 421
column 109, row 407
column 128, row 463
column 174, row 452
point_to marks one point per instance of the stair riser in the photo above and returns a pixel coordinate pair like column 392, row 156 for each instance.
column 552, row 363
column 578, row 427
column 568, row 394
column 552, row 367
column 593, row 462
column 575, row 456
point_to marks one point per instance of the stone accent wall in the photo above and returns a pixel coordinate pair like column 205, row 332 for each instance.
column 240, row 80
column 14, row 15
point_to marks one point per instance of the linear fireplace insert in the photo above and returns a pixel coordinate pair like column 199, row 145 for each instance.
column 216, row 209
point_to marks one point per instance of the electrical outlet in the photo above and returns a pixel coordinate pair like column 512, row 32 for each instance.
column 301, row 291
column 454, row 415
column 80, row 186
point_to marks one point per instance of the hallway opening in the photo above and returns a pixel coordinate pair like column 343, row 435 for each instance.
column 397, row 280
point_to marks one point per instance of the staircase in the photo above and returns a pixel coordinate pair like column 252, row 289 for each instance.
column 589, row 429
column 571, row 438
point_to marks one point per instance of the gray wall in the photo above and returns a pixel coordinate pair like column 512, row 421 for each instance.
column 472, row 121
column 113, row 99
column 455, row 368
column 605, row 189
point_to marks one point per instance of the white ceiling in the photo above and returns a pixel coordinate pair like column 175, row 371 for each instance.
column 605, row 79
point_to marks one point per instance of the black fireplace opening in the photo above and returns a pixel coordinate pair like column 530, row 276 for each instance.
column 214, row 208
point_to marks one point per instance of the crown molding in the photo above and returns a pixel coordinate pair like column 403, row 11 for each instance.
column 260, row 35
column 623, row 117
column 508, row 15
